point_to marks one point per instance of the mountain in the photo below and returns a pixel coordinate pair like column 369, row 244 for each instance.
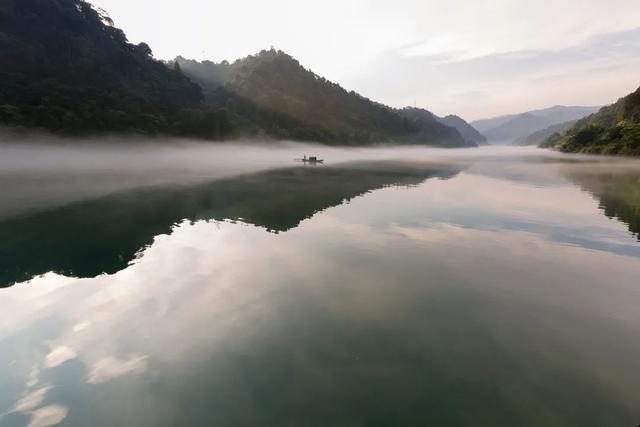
column 507, row 129
column 538, row 137
column 65, row 67
column 522, row 124
column 273, row 87
column 433, row 126
column 468, row 132
column 484, row 125
column 614, row 129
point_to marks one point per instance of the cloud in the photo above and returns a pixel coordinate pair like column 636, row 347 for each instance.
column 110, row 368
column 48, row 416
column 58, row 356
column 31, row 400
column 595, row 71
column 34, row 376
column 604, row 49
column 81, row 326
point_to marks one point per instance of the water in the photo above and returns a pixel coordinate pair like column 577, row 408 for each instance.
column 411, row 287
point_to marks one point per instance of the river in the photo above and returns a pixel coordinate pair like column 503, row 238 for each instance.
column 232, row 286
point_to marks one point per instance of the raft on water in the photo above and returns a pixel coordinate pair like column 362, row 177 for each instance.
column 312, row 159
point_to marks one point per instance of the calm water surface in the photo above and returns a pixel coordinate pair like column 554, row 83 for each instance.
column 470, row 288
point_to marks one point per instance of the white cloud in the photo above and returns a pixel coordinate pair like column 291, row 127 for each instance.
column 81, row 326
column 110, row 368
column 48, row 416
column 59, row 355
column 596, row 71
column 34, row 376
column 31, row 400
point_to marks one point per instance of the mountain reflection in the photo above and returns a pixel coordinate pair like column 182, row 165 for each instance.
column 89, row 238
column 618, row 195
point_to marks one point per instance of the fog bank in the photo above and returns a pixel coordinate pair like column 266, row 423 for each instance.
column 44, row 171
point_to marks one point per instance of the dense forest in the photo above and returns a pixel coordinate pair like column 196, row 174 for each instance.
column 468, row 132
column 613, row 130
column 67, row 68
column 438, row 126
column 274, row 90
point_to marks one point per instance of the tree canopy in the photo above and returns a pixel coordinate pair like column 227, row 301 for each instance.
column 614, row 130
column 66, row 67
column 272, row 89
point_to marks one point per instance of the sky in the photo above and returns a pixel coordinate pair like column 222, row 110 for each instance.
column 474, row 58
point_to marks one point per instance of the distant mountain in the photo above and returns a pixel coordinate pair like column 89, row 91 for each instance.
column 614, row 129
column 522, row 124
column 484, row 125
column 507, row 129
column 433, row 126
column 65, row 67
column 273, row 87
column 468, row 132
column 540, row 136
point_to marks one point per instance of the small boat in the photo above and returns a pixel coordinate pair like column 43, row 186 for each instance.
column 311, row 159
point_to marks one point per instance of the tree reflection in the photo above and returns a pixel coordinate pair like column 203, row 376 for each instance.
column 618, row 194
column 104, row 235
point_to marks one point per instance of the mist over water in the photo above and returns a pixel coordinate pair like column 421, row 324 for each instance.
column 43, row 171
column 161, row 283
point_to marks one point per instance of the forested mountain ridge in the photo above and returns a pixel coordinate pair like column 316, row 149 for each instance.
column 615, row 129
column 65, row 67
column 273, row 82
column 468, row 132
column 425, row 119
column 277, row 81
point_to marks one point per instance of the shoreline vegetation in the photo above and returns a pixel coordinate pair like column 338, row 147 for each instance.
column 614, row 130
column 68, row 70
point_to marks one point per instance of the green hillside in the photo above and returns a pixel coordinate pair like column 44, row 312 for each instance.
column 273, row 87
column 65, row 67
column 614, row 130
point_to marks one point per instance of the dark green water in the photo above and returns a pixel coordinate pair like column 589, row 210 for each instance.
column 495, row 288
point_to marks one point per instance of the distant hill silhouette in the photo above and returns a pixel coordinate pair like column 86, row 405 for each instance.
column 510, row 128
column 538, row 137
column 468, row 132
column 434, row 126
